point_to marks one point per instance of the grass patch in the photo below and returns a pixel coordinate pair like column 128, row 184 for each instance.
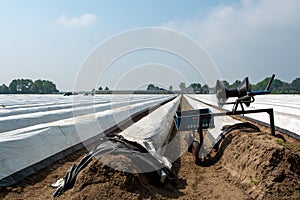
column 247, row 146
column 254, row 182
column 281, row 142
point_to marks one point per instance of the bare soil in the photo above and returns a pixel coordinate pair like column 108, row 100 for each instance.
column 249, row 165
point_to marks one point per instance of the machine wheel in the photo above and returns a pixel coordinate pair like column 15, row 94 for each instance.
column 195, row 151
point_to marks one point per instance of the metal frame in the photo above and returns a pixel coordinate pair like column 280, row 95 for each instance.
column 229, row 113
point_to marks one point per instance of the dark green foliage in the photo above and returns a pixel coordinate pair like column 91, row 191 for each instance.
column 198, row 89
column 182, row 86
column 195, row 85
column 226, row 84
column 4, row 89
column 235, row 84
column 43, row 87
column 276, row 86
column 295, row 85
column 261, row 85
column 27, row 86
column 20, row 86
column 152, row 87
column 205, row 89
column 105, row 89
column 279, row 87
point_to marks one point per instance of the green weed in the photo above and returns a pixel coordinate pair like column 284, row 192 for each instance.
column 281, row 142
column 247, row 146
column 254, row 182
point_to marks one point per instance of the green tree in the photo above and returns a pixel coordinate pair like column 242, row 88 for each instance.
column 4, row 89
column 182, row 86
column 205, row 89
column 276, row 86
column 261, row 85
column 20, row 86
column 43, row 87
column 49, row 87
column 100, row 88
column 106, row 88
column 196, row 87
column 295, row 85
column 13, row 87
column 37, row 87
column 235, row 84
column 27, row 86
column 151, row 87
column 285, row 88
column 226, row 83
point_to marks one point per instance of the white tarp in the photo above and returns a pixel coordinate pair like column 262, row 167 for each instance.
column 286, row 109
column 153, row 130
column 17, row 121
column 22, row 104
column 27, row 146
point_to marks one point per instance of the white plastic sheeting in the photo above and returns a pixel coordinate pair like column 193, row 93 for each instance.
column 286, row 109
column 218, row 121
column 14, row 122
column 153, row 130
column 29, row 104
column 27, row 146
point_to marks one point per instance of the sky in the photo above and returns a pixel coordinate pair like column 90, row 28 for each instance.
column 52, row 39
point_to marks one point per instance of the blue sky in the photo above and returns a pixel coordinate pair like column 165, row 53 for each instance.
column 51, row 39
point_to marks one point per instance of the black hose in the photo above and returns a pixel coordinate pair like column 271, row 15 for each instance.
column 208, row 160
column 116, row 145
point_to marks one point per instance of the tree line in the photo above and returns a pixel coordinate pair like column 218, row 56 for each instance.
column 27, row 86
column 277, row 87
column 194, row 88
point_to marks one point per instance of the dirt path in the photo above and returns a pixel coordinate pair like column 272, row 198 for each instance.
column 253, row 165
column 203, row 182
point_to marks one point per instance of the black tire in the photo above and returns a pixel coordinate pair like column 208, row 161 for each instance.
column 195, row 151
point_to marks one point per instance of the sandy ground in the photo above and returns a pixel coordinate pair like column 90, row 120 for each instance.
column 248, row 165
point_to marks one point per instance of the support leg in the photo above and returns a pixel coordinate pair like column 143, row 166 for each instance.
column 272, row 126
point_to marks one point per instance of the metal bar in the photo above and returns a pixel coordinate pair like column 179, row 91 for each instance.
column 272, row 126
column 200, row 131
column 269, row 111
column 270, row 82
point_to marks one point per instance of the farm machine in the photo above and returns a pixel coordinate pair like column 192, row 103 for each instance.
column 199, row 122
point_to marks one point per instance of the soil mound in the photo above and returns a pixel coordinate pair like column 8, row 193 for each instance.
column 265, row 167
column 253, row 165
column 260, row 166
column 98, row 181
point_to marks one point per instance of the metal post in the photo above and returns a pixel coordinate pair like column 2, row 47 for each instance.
column 272, row 126
column 200, row 130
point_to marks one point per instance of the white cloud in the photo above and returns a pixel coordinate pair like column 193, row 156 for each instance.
column 253, row 37
column 81, row 21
